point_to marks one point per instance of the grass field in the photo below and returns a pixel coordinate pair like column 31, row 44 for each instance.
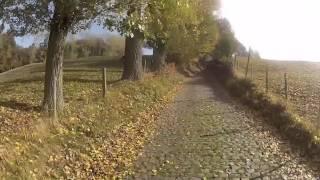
column 303, row 85
column 95, row 137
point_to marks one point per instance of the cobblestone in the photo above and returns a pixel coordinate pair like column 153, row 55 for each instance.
column 205, row 135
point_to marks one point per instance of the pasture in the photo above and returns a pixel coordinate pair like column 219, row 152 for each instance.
column 30, row 147
column 303, row 79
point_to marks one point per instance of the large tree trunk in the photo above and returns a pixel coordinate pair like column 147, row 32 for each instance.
column 159, row 57
column 53, row 87
column 132, row 69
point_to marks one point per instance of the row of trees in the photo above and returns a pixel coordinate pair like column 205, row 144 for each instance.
column 111, row 47
column 228, row 45
column 186, row 28
column 12, row 56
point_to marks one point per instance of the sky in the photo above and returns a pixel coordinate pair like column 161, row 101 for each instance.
column 93, row 31
column 278, row 29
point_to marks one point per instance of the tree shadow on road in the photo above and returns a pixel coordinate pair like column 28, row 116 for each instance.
column 218, row 93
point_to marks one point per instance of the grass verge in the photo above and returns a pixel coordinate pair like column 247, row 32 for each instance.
column 96, row 138
column 275, row 112
column 302, row 83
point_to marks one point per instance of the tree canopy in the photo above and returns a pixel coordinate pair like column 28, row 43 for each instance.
column 197, row 34
column 58, row 17
column 227, row 44
column 186, row 28
column 33, row 16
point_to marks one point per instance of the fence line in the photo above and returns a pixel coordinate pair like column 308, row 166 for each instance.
column 248, row 62
column 297, row 93
column 286, row 85
column 104, row 83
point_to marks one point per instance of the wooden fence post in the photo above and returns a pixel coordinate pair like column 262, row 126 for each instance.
column 267, row 79
column 104, row 83
column 55, row 114
column 286, row 85
column 319, row 107
column 251, row 67
column 248, row 62
column 235, row 62
column 145, row 64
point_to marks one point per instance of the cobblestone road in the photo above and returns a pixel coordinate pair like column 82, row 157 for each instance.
column 205, row 135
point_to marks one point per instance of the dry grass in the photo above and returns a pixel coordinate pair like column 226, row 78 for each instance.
column 95, row 137
column 272, row 108
column 303, row 85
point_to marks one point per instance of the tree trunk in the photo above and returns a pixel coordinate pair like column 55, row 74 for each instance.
column 132, row 69
column 53, row 87
column 159, row 57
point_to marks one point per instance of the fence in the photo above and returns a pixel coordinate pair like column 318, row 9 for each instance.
column 147, row 64
column 295, row 83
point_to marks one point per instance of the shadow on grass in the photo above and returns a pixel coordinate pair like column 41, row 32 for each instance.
column 69, row 69
column 109, row 82
column 12, row 104
column 67, row 79
column 90, row 70
column 24, row 81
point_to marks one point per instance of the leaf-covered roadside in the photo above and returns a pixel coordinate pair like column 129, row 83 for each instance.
column 97, row 138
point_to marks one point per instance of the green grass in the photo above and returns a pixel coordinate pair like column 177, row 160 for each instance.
column 303, row 83
column 96, row 137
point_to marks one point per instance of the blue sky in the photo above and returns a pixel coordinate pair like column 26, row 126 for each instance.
column 94, row 31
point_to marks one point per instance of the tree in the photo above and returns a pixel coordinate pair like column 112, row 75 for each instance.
column 198, row 33
column 129, row 22
column 227, row 43
column 182, row 27
column 255, row 54
column 145, row 20
column 7, row 52
column 115, row 46
column 11, row 55
column 161, row 21
column 241, row 50
column 58, row 17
